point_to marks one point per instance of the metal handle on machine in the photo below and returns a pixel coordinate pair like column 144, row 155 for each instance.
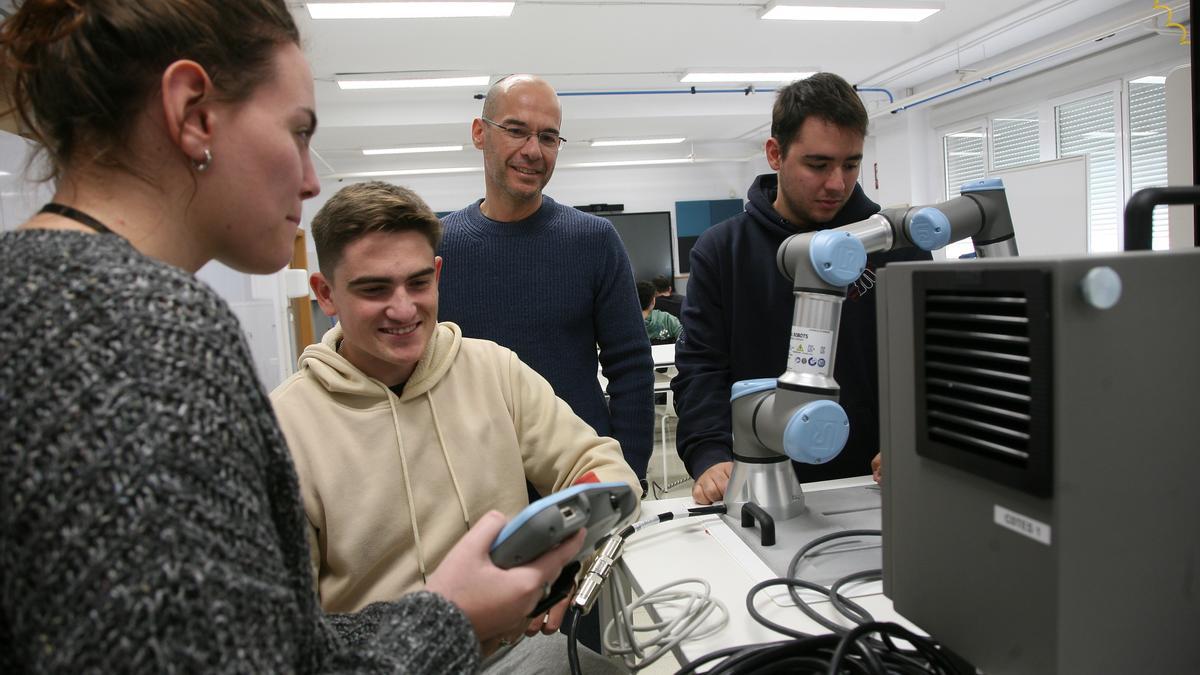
column 1139, row 212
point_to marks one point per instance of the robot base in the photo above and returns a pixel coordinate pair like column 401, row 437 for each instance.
column 801, row 517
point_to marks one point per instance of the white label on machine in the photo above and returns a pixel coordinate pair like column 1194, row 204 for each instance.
column 811, row 350
column 1024, row 525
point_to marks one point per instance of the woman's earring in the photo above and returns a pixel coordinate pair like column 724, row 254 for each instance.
column 203, row 164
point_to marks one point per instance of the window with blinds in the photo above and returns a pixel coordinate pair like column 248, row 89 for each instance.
column 963, row 158
column 1089, row 127
column 1015, row 140
column 1148, row 147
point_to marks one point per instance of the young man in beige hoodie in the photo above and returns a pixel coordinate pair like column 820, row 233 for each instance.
column 404, row 432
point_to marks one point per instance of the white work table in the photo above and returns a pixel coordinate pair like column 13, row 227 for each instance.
column 705, row 547
column 664, row 358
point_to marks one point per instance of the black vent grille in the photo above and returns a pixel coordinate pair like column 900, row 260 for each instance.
column 983, row 387
column 977, row 385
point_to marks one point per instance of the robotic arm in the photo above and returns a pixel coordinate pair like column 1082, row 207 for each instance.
column 797, row 415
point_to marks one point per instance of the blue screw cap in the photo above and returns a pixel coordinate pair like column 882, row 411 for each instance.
column 929, row 229
column 838, row 257
column 816, row 433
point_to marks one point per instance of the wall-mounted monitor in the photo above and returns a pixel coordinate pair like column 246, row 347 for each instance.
column 692, row 218
column 647, row 239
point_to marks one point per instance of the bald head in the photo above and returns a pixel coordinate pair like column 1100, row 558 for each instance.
column 506, row 85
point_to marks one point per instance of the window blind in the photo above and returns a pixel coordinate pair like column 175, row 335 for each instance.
column 1148, row 147
column 963, row 158
column 1015, row 140
column 1089, row 127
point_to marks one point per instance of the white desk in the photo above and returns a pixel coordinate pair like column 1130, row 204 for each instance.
column 663, row 355
column 664, row 361
column 697, row 547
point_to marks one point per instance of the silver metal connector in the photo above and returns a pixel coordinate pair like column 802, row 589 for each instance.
column 598, row 570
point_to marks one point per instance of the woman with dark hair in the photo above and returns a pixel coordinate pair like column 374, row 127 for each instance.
column 150, row 519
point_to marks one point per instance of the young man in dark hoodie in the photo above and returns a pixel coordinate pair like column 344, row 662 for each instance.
column 737, row 315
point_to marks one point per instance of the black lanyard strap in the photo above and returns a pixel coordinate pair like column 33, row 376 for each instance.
column 76, row 215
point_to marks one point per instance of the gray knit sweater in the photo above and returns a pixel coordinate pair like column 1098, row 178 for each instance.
column 150, row 519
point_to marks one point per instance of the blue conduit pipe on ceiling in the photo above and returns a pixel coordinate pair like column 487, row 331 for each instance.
column 965, row 85
column 641, row 92
column 746, row 91
column 989, row 78
column 891, row 99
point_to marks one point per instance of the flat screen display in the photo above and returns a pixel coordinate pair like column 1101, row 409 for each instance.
column 647, row 239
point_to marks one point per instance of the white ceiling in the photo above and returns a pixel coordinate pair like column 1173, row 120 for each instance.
column 591, row 46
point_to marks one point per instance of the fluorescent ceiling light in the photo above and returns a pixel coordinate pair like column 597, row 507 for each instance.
column 407, row 10
column 638, row 141
column 410, row 172
column 628, row 162
column 420, row 83
column 746, row 77
column 849, row 10
column 5, row 173
column 1150, row 79
column 412, row 150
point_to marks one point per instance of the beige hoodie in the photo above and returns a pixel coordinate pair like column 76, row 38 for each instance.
column 390, row 482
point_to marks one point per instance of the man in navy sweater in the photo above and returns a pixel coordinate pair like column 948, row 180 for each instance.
column 545, row 280
column 737, row 314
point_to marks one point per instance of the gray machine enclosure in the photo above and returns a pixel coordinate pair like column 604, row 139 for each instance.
column 1117, row 587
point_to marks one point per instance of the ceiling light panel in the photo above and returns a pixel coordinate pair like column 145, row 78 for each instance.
column 411, row 172
column 627, row 162
column 847, row 10
column 638, row 141
column 408, row 10
column 421, row 83
column 412, row 150
column 741, row 77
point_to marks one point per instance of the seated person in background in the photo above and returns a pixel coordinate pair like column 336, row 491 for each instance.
column 665, row 297
column 404, row 433
column 661, row 328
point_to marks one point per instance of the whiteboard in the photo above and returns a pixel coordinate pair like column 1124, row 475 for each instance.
column 1049, row 206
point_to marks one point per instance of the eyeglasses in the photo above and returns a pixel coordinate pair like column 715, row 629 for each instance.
column 547, row 139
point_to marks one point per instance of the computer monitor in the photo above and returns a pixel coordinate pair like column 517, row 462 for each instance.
column 647, row 239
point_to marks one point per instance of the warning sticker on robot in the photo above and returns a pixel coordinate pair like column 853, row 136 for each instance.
column 811, row 350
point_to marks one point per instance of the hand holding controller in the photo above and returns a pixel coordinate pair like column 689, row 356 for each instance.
column 600, row 508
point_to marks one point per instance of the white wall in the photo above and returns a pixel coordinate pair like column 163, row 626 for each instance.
column 19, row 196
column 895, row 160
column 903, row 149
column 909, row 151
column 264, row 311
column 1180, row 103
column 644, row 188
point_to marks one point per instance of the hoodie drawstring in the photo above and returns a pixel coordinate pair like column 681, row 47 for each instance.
column 408, row 491
column 437, row 428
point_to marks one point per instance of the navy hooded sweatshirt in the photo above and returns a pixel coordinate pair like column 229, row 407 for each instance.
column 737, row 325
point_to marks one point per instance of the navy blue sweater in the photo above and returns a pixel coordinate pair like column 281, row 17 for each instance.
column 551, row 288
column 737, row 320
